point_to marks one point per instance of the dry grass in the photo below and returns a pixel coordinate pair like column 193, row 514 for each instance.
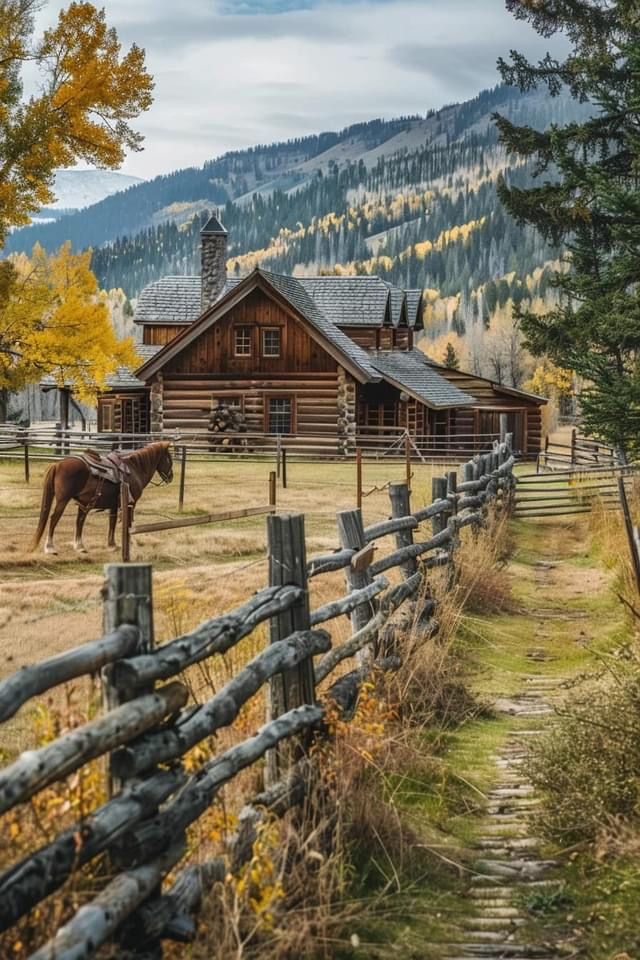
column 49, row 604
column 610, row 540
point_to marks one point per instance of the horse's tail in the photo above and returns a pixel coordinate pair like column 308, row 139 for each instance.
column 45, row 506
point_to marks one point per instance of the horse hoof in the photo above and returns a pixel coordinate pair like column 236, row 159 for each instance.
column 82, row 550
column 112, row 546
column 51, row 551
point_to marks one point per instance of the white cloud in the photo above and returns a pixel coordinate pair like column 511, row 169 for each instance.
column 225, row 81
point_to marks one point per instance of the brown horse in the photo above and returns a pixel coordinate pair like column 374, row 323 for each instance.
column 72, row 479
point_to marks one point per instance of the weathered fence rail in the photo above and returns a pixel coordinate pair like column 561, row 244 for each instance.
column 147, row 727
column 32, row 444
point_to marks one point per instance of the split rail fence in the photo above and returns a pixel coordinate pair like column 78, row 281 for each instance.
column 146, row 727
column 581, row 451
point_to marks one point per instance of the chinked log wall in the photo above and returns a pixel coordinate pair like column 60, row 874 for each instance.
column 188, row 400
column 147, row 728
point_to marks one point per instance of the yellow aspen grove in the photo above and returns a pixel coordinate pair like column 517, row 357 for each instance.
column 54, row 320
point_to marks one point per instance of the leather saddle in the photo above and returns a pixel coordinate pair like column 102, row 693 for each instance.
column 110, row 466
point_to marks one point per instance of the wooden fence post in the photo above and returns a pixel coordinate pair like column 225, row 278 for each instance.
column 400, row 507
column 183, row 468
column 439, row 492
column 504, row 426
column 125, row 515
column 632, row 534
column 574, row 437
column 359, row 478
column 452, row 495
column 272, row 488
column 351, row 532
column 407, row 462
column 288, row 567
column 23, row 438
column 278, row 455
column 128, row 598
column 284, row 468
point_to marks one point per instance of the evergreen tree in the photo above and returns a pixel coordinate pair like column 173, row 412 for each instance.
column 590, row 200
column 451, row 359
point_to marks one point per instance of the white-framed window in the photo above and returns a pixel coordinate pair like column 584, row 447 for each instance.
column 271, row 342
column 279, row 415
column 242, row 341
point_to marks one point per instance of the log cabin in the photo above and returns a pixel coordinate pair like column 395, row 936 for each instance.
column 327, row 357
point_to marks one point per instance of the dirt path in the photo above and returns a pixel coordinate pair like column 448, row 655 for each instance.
column 564, row 609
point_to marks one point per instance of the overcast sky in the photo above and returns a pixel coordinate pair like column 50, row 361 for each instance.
column 230, row 74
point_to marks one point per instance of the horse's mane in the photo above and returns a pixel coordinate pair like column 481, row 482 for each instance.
column 146, row 457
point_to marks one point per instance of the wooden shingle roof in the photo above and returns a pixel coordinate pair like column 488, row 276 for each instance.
column 412, row 371
column 349, row 301
column 173, row 300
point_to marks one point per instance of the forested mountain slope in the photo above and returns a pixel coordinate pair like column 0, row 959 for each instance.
column 411, row 199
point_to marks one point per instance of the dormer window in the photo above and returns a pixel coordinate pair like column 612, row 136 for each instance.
column 271, row 342
column 242, row 341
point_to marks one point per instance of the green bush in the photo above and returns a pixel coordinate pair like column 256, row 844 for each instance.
column 587, row 767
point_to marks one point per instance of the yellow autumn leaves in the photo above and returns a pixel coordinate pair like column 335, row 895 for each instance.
column 89, row 92
column 54, row 320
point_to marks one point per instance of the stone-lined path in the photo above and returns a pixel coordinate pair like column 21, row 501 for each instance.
column 531, row 653
column 511, row 865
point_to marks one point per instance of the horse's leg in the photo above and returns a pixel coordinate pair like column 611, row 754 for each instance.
column 53, row 523
column 80, row 520
column 113, row 519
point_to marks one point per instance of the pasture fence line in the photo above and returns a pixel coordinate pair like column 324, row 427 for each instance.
column 580, row 452
column 146, row 727
column 390, row 443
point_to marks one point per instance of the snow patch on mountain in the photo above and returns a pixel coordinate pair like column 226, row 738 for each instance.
column 76, row 189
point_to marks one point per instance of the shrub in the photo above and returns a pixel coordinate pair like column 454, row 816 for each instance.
column 587, row 767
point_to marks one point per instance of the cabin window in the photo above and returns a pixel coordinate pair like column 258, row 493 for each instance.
column 242, row 341
column 105, row 410
column 271, row 342
column 280, row 415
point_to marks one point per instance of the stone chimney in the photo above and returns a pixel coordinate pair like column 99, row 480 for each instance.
column 213, row 254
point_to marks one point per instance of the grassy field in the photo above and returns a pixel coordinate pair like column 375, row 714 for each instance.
column 51, row 603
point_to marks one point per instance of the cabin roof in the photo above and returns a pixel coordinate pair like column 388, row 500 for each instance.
column 349, row 301
column 121, row 379
column 396, row 302
column 411, row 370
column 173, row 300
column 361, row 301
column 414, row 304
